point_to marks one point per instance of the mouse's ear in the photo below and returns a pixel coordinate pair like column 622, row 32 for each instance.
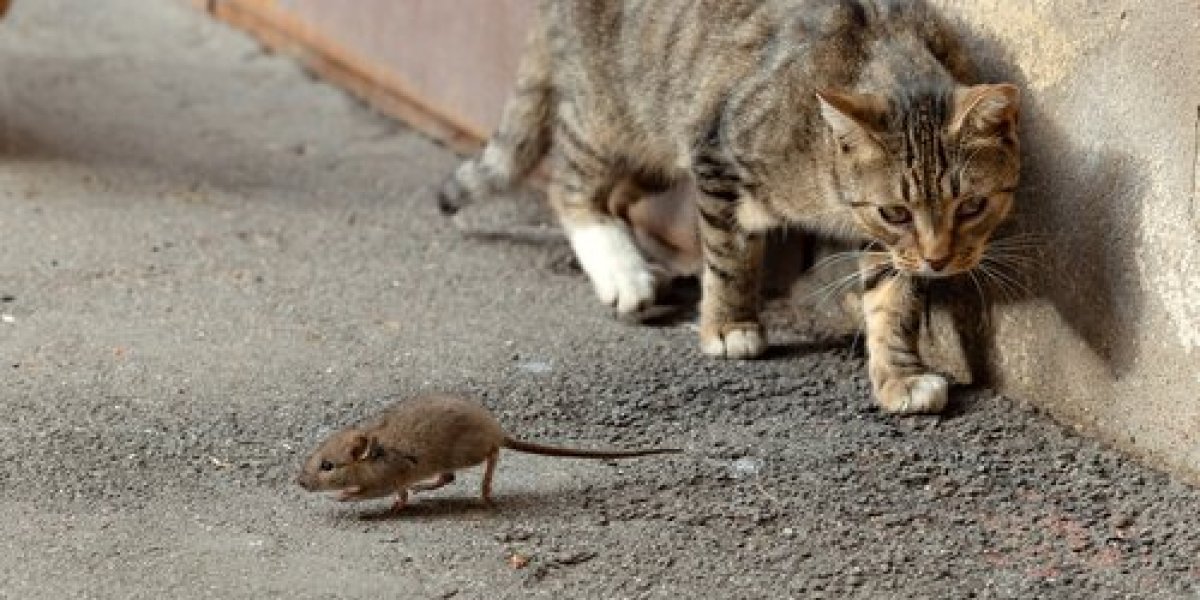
column 367, row 448
column 360, row 447
column 374, row 450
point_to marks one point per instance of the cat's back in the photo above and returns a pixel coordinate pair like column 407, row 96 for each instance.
column 654, row 73
column 661, row 28
column 700, row 40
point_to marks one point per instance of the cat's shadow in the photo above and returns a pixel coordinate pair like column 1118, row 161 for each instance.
column 788, row 350
column 965, row 400
column 1063, row 243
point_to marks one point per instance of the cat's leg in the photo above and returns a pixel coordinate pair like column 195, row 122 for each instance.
column 583, row 178
column 729, row 302
column 730, row 282
column 733, row 256
column 892, row 317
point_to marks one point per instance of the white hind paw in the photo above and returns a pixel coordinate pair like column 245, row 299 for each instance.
column 620, row 275
column 629, row 291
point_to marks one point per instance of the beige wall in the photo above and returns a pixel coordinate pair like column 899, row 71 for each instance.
column 443, row 65
column 454, row 53
column 1111, row 339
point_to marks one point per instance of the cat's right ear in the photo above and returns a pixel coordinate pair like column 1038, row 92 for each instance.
column 855, row 119
column 987, row 109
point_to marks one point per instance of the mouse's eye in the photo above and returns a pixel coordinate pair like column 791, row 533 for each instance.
column 326, row 465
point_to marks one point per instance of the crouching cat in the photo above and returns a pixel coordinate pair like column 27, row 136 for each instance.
column 848, row 117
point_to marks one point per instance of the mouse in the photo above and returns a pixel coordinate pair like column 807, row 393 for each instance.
column 417, row 444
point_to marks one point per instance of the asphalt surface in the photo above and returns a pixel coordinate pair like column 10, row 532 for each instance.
column 208, row 260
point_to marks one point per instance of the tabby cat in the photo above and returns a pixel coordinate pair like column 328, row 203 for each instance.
column 845, row 117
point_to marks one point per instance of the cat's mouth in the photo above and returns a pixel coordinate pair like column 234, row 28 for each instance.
column 927, row 272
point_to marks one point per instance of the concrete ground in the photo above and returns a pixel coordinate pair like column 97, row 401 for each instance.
column 208, row 260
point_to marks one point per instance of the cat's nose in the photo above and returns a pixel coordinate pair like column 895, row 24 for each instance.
column 939, row 263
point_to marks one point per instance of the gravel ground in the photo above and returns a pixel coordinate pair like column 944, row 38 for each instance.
column 208, row 260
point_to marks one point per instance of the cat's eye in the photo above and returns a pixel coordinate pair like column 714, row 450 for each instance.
column 971, row 207
column 896, row 215
column 326, row 465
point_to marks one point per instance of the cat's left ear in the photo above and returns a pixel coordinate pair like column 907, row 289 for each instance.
column 987, row 109
column 855, row 119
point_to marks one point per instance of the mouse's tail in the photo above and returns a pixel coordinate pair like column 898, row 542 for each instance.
column 532, row 448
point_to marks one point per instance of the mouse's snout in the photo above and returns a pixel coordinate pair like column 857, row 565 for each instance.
column 304, row 481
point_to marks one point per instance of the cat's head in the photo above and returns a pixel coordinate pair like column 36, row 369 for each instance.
column 931, row 176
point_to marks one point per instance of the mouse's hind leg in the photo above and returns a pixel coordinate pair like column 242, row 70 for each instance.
column 489, row 469
column 401, row 500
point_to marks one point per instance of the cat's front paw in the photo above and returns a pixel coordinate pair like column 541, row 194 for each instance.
column 733, row 340
column 914, row 394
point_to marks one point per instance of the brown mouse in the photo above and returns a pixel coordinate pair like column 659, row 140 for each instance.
column 418, row 444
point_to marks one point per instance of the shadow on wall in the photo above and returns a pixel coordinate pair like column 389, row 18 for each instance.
column 1071, row 241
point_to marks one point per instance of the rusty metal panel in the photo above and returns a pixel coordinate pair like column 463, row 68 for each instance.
column 443, row 65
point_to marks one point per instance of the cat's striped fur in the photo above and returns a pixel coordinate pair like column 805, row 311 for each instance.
column 849, row 117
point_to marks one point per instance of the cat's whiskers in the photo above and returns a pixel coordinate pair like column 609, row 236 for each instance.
column 1026, row 238
column 1017, row 264
column 841, row 256
column 1015, row 253
column 1016, row 261
column 983, row 304
column 1014, row 256
column 993, row 276
column 1018, row 235
column 858, row 334
column 831, row 289
column 1012, row 288
column 1016, row 245
column 997, row 288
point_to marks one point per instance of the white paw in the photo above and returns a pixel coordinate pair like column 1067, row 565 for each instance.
column 917, row 394
column 733, row 342
column 621, row 276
